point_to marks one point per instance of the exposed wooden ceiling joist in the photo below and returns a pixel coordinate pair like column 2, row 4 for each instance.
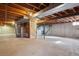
column 33, row 6
column 67, row 18
column 65, row 12
column 23, row 8
column 28, row 6
column 16, row 10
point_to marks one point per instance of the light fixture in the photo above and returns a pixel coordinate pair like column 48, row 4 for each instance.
column 13, row 23
column 31, row 14
column 25, row 17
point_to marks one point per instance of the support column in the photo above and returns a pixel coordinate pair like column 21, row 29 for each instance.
column 33, row 28
column 18, row 30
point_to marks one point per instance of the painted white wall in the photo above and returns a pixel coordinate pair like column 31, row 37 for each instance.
column 62, row 30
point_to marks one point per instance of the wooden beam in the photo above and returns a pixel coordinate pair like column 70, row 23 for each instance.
column 74, row 10
column 59, row 14
column 68, row 20
column 24, row 8
column 13, row 10
column 16, row 10
column 6, row 19
column 71, row 19
column 56, row 22
column 65, row 12
column 14, row 15
column 33, row 6
column 53, row 15
column 10, row 17
column 66, row 16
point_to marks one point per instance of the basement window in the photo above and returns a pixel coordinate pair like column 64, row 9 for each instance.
column 75, row 23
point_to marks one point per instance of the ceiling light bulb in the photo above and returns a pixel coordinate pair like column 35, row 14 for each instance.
column 13, row 23
column 25, row 17
column 30, row 14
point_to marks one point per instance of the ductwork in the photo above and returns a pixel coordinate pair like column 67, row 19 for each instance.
column 59, row 8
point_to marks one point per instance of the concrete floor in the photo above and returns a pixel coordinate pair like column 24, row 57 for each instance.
column 30, row 47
